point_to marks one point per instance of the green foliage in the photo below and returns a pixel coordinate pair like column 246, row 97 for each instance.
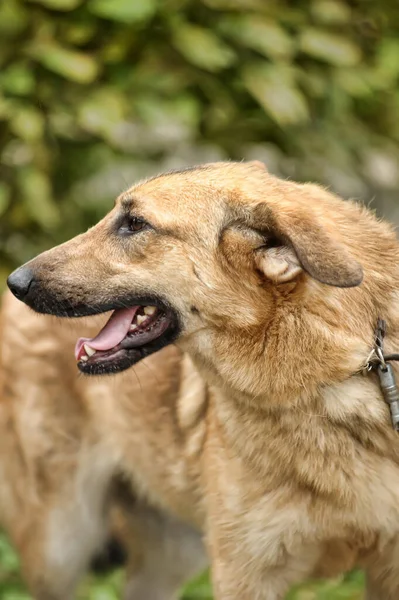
column 95, row 94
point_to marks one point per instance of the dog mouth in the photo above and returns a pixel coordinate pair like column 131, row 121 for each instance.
column 129, row 335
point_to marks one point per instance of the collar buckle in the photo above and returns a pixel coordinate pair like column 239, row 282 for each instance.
column 380, row 362
column 390, row 391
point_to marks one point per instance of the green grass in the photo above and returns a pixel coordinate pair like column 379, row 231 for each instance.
column 345, row 588
column 108, row 587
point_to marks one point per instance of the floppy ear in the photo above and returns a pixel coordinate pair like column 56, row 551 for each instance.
column 296, row 242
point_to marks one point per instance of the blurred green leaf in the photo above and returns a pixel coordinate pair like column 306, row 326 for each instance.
column 102, row 593
column 70, row 64
column 125, row 11
column 36, row 195
column 184, row 109
column 202, row 48
column 15, row 595
column 102, row 110
column 314, row 83
column 331, row 48
column 79, row 33
column 59, row 4
column 4, row 203
column 5, row 107
column 198, row 589
column 354, row 81
column 18, row 79
column 117, row 48
column 64, row 123
column 331, row 11
column 27, row 123
column 241, row 5
column 387, row 60
column 260, row 34
column 8, row 557
column 276, row 92
column 13, row 18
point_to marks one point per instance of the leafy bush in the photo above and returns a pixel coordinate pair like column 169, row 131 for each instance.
column 96, row 93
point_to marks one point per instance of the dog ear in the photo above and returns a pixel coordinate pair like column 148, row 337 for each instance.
column 296, row 242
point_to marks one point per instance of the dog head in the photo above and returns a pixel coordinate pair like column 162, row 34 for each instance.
column 205, row 256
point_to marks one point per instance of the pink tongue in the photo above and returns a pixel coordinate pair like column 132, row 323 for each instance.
column 113, row 332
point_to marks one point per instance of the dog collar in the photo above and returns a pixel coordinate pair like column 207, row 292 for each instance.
column 380, row 362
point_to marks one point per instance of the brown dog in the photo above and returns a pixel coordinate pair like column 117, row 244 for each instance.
column 274, row 289
column 70, row 447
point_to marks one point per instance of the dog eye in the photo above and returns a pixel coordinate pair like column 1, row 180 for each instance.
column 133, row 225
column 136, row 224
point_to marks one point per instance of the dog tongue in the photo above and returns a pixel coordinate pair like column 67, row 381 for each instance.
column 113, row 332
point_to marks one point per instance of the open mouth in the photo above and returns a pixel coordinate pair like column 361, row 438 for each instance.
column 129, row 335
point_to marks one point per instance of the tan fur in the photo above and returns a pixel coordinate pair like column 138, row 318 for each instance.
column 63, row 440
column 278, row 287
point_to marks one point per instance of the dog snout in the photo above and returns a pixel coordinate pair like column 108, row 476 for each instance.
column 20, row 281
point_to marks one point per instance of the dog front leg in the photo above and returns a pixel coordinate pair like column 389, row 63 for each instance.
column 246, row 580
column 382, row 572
column 257, row 536
column 381, row 590
column 257, row 560
column 372, row 591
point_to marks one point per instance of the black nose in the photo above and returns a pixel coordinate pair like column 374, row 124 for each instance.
column 20, row 281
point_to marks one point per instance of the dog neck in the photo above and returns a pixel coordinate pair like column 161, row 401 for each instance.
column 300, row 393
column 306, row 346
column 323, row 431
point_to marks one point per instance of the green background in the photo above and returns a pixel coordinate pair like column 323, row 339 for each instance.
column 96, row 94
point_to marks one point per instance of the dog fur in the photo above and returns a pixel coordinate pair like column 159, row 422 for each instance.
column 277, row 287
column 75, row 465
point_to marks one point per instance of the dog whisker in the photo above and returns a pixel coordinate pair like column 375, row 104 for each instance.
column 138, row 378
column 151, row 369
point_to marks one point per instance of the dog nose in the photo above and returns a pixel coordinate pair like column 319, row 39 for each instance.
column 20, row 281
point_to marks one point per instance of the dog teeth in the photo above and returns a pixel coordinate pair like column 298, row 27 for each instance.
column 89, row 351
column 84, row 358
column 140, row 319
column 133, row 326
column 150, row 310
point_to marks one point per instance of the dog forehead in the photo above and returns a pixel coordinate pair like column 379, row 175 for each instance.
column 200, row 200
column 171, row 198
column 202, row 187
